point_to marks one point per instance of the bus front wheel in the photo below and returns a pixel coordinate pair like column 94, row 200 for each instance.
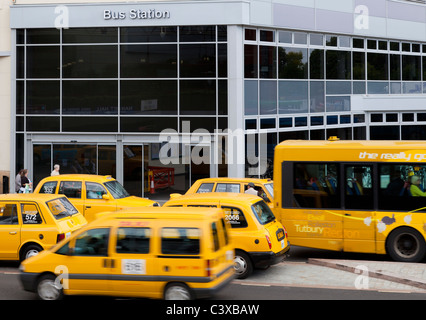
column 406, row 245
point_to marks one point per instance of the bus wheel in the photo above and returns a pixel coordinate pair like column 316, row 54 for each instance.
column 406, row 245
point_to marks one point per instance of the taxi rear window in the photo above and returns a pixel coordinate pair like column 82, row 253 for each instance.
column 61, row 208
column 180, row 241
column 205, row 187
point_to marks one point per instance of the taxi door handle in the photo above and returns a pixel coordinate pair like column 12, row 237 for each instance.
column 88, row 207
column 13, row 232
column 347, row 214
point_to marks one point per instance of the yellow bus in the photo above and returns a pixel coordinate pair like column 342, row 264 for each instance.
column 354, row 196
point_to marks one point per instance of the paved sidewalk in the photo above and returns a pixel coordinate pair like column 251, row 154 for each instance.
column 341, row 274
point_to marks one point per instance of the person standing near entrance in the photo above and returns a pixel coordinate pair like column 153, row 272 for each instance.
column 26, row 184
column 18, row 181
column 55, row 171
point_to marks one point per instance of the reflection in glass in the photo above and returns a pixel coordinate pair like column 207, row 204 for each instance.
column 89, row 124
column 316, row 63
column 148, row 61
column 89, row 96
column 148, row 34
column 43, row 62
column 90, row 61
column 411, row 68
column 338, row 64
column 197, row 97
column 267, row 62
column 292, row 63
column 250, row 61
column 43, row 97
column 197, row 60
column 250, row 97
column 293, row 96
column 338, row 103
column 89, row 35
column 317, row 103
column 377, row 66
column 268, row 97
column 148, row 97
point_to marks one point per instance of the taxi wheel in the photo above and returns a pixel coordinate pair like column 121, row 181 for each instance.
column 242, row 264
column 47, row 288
column 177, row 291
column 30, row 251
column 406, row 245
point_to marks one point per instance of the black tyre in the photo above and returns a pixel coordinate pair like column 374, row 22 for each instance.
column 242, row 264
column 29, row 251
column 406, row 245
column 48, row 289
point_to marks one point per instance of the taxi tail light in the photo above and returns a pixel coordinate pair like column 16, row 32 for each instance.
column 60, row 237
column 208, row 268
column 269, row 241
column 285, row 232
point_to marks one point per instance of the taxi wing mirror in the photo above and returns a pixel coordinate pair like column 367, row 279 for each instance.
column 106, row 196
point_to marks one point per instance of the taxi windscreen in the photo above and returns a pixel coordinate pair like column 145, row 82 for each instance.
column 61, row 208
column 262, row 212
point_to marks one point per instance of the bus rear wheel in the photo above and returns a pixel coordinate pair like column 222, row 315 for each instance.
column 406, row 245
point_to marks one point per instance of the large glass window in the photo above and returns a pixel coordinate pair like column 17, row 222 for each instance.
column 377, row 66
column 197, row 60
column 338, row 64
column 359, row 187
column 293, row 96
column 43, row 62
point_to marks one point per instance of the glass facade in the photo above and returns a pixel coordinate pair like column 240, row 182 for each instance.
column 117, row 80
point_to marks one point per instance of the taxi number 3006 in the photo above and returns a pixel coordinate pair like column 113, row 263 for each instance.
column 133, row 266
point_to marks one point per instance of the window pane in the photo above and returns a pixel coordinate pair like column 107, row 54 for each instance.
column 292, row 63
column 8, row 214
column 316, row 185
column 45, row 124
column 235, row 217
column 384, row 133
column 338, row 103
column 72, row 189
column 180, row 241
column 43, row 62
column 146, row 124
column 89, row 124
column 395, row 66
column 338, row 64
column 148, row 61
column 359, row 65
column 92, row 243
column 228, row 187
column 148, row 97
column 293, row 96
column 205, row 187
column 89, row 35
column 197, row 97
column 133, row 240
column 377, row 66
column 222, row 60
column 411, row 68
column 268, row 97
column 30, row 214
column 43, row 97
column 49, row 187
column 401, row 188
column 250, row 98
column 317, row 103
column 316, row 64
column 197, row 60
column 42, row 36
column 90, row 61
column 197, row 33
column 250, row 61
column 267, row 62
column 359, row 188
column 94, row 190
column 89, row 97
column 148, row 34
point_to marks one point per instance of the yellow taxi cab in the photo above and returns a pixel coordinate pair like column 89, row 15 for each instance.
column 92, row 194
column 264, row 187
column 169, row 253
column 30, row 223
column 260, row 239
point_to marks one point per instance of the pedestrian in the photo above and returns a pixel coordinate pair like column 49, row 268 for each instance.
column 26, row 184
column 251, row 189
column 18, row 181
column 55, row 171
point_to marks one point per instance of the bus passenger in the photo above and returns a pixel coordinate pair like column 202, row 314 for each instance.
column 415, row 187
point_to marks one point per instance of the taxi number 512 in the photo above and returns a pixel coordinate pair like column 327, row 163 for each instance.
column 133, row 266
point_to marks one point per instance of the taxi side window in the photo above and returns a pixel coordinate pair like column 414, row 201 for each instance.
column 49, row 187
column 93, row 242
column 133, row 240
column 205, row 187
column 8, row 214
column 94, row 190
column 228, row 187
column 30, row 214
column 235, row 217
column 180, row 241
column 72, row 189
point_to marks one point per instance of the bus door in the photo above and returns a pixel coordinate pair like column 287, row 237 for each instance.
column 359, row 216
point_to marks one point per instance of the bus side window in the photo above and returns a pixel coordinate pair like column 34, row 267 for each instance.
column 359, row 187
